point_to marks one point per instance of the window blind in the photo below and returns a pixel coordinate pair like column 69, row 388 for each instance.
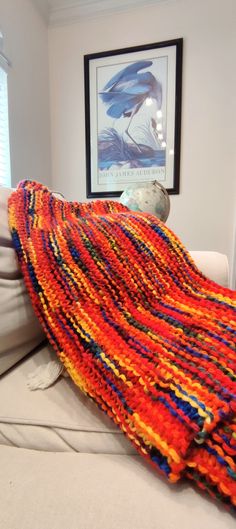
column 5, row 166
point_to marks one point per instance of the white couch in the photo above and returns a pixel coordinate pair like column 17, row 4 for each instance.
column 63, row 462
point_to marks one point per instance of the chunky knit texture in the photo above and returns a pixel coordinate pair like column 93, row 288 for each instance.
column 138, row 327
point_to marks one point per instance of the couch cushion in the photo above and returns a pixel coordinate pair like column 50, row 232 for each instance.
column 87, row 491
column 59, row 418
column 20, row 331
column 213, row 265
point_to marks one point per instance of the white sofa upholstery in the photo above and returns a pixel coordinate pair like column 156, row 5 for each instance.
column 39, row 490
column 64, row 464
column 58, row 419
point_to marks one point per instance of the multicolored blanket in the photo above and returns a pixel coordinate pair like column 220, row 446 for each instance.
column 138, row 327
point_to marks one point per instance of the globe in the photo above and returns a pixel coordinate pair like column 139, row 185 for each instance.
column 150, row 197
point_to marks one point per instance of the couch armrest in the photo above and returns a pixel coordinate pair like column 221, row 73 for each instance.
column 213, row 265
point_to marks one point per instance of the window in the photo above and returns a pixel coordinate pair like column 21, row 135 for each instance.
column 5, row 166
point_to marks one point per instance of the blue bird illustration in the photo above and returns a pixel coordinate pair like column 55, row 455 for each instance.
column 125, row 92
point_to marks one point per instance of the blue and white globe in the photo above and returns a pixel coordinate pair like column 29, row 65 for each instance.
column 150, row 197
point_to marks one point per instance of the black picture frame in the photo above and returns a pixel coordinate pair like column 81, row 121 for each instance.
column 120, row 85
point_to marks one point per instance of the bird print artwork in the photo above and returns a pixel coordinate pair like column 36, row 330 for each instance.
column 133, row 100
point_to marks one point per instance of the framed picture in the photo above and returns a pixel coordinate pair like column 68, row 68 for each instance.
column 133, row 117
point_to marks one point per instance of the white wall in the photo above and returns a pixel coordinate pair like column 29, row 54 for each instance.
column 202, row 215
column 26, row 45
column 233, row 247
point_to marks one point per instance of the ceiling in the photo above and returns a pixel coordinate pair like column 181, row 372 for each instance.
column 68, row 3
column 63, row 11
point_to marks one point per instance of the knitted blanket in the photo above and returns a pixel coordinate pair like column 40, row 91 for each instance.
column 138, row 327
